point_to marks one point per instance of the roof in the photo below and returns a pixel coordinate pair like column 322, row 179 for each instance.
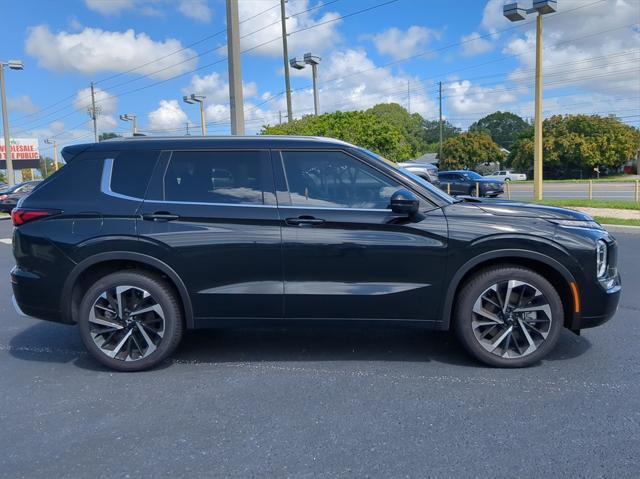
column 195, row 142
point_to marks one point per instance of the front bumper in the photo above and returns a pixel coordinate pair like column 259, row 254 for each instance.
column 607, row 307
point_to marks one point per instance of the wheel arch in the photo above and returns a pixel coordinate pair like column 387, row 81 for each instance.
column 554, row 271
column 104, row 263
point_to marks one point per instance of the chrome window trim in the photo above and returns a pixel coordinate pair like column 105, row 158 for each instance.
column 105, row 182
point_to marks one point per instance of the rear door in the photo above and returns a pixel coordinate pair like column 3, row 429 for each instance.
column 345, row 254
column 212, row 216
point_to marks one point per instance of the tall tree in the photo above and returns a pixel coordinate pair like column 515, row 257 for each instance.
column 503, row 127
column 578, row 143
column 357, row 127
column 108, row 136
column 468, row 150
column 432, row 131
column 410, row 125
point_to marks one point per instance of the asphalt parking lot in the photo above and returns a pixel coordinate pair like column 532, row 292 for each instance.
column 321, row 403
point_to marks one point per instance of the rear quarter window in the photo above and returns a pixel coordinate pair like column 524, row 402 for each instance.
column 132, row 171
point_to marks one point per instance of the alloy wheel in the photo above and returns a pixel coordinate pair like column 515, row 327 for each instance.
column 126, row 323
column 511, row 319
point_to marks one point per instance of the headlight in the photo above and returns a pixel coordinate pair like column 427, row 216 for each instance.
column 601, row 258
column 589, row 224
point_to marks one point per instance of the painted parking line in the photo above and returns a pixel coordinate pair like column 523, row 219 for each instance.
column 6, row 241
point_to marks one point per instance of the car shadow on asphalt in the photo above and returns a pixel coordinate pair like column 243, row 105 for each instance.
column 54, row 343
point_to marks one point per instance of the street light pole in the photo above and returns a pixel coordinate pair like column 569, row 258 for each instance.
column 515, row 13
column 314, row 61
column 132, row 119
column 13, row 65
column 193, row 98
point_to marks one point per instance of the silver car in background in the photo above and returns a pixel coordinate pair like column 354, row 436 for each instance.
column 426, row 171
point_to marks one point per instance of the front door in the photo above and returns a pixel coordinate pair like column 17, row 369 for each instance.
column 212, row 216
column 345, row 254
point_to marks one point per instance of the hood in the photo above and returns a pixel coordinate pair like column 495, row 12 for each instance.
column 527, row 210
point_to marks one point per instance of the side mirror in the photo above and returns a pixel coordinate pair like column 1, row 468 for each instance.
column 404, row 202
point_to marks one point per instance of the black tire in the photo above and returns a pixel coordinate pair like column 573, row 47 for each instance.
column 476, row 286
column 161, row 293
column 507, row 179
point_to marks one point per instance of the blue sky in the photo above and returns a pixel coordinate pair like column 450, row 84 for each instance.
column 145, row 54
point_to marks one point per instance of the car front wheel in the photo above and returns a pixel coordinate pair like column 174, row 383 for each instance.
column 130, row 321
column 508, row 316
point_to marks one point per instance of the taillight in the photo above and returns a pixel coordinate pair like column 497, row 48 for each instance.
column 20, row 216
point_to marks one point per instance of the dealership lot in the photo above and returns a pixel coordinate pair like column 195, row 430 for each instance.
column 321, row 402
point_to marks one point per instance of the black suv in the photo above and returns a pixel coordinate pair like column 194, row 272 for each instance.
column 137, row 240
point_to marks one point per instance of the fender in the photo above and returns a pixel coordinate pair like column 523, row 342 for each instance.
column 128, row 256
column 447, row 307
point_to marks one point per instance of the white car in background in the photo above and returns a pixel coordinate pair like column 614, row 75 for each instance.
column 506, row 175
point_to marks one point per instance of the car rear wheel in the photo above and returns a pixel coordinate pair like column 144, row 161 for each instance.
column 508, row 316
column 130, row 321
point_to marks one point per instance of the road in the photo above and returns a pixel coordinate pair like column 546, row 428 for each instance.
column 322, row 403
column 622, row 191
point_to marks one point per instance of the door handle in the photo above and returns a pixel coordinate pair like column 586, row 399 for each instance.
column 160, row 217
column 304, row 221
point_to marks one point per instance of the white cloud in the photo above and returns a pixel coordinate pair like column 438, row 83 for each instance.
column 464, row 98
column 400, row 44
column 168, row 116
column 106, row 103
column 109, row 7
column 22, row 104
column 268, row 29
column 93, row 51
column 474, row 44
column 215, row 88
column 195, row 9
column 584, row 49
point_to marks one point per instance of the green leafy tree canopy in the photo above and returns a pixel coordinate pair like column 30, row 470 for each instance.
column 578, row 142
column 468, row 150
column 504, row 128
column 360, row 128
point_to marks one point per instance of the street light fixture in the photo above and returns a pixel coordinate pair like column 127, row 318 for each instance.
column 49, row 141
column 314, row 61
column 514, row 12
column 13, row 65
column 193, row 98
column 132, row 119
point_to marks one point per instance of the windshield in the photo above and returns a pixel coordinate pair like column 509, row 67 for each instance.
column 472, row 175
column 421, row 181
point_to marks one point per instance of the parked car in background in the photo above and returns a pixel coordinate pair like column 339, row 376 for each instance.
column 506, row 175
column 464, row 182
column 138, row 239
column 9, row 196
column 426, row 171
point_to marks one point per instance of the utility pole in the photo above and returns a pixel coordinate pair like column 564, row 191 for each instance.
column 440, row 120
column 409, row 96
column 236, row 101
column 93, row 113
column 5, row 124
column 188, row 134
column 537, row 141
column 285, row 55
column 55, row 153
column 279, row 117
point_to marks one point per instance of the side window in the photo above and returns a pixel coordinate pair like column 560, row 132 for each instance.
column 333, row 179
column 233, row 177
column 132, row 171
